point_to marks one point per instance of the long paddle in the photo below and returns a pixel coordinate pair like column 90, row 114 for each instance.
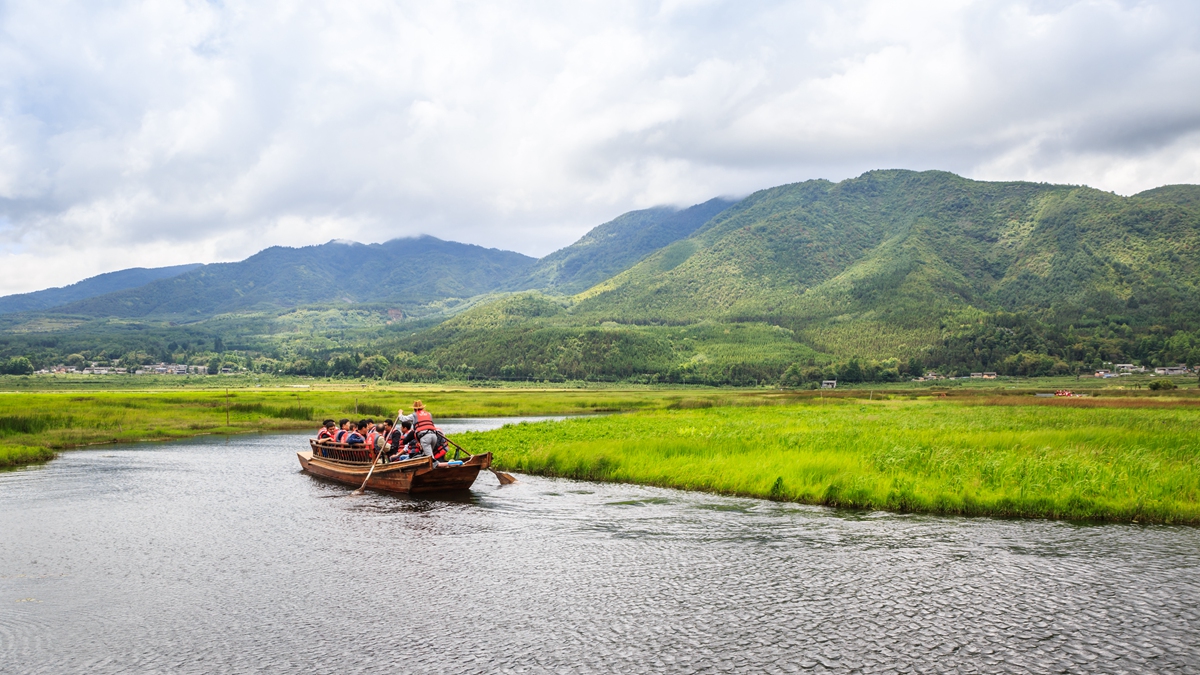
column 359, row 491
column 504, row 478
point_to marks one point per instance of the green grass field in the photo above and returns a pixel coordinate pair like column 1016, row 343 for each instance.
column 1118, row 460
column 57, row 420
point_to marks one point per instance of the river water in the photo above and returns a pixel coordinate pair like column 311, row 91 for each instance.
column 216, row 555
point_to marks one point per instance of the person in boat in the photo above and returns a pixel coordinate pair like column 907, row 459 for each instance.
column 383, row 435
column 401, row 436
column 401, row 442
column 352, row 436
column 367, row 429
column 326, row 435
column 327, row 431
column 427, row 434
column 343, row 429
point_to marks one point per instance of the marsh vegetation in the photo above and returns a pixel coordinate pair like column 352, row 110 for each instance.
column 1126, row 460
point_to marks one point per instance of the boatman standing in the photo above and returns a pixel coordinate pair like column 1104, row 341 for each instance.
column 426, row 433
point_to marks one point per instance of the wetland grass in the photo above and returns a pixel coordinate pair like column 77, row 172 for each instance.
column 1070, row 461
column 1126, row 457
column 64, row 419
column 20, row 455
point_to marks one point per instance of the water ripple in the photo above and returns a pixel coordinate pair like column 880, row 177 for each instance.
column 218, row 555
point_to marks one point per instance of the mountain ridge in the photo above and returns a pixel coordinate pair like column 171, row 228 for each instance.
column 101, row 284
column 901, row 265
column 414, row 269
column 614, row 246
column 872, row 277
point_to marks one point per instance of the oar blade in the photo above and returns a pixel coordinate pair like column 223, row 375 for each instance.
column 504, row 478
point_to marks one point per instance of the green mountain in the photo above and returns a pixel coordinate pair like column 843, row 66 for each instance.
column 892, row 267
column 613, row 247
column 876, row 264
column 407, row 272
column 872, row 278
column 1182, row 195
column 89, row 288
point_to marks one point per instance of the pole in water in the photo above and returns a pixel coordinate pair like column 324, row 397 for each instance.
column 359, row 491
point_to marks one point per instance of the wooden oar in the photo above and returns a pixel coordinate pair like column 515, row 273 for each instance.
column 359, row 491
column 504, row 478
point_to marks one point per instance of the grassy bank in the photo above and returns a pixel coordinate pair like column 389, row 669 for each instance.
column 66, row 419
column 1119, row 455
column 1057, row 459
column 20, row 455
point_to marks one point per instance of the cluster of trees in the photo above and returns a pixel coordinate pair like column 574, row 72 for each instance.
column 1016, row 344
column 710, row 353
column 894, row 370
column 111, row 348
column 18, row 365
column 810, row 374
column 402, row 367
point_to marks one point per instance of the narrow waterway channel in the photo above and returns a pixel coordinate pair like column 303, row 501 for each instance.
column 218, row 555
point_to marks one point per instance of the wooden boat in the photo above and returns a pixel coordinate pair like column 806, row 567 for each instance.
column 350, row 464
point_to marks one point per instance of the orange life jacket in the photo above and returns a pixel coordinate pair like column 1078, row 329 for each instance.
column 371, row 435
column 424, row 421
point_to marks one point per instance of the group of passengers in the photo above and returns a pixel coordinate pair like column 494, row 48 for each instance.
column 410, row 437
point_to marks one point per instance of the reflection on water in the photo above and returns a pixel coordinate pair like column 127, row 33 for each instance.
column 218, row 555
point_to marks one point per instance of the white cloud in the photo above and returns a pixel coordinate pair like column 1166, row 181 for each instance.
column 169, row 132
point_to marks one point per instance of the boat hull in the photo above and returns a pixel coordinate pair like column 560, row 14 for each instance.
column 412, row 476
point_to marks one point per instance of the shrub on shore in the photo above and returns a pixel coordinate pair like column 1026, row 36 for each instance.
column 18, row 455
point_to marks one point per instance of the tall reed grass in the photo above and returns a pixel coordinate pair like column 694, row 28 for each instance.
column 69, row 419
column 1120, row 464
column 20, row 455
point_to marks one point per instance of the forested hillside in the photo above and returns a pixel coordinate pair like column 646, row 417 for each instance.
column 404, row 271
column 897, row 270
column 613, row 247
column 875, row 278
column 906, row 249
column 89, row 288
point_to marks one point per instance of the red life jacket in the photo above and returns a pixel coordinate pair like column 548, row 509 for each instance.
column 371, row 435
column 424, row 421
column 340, row 435
column 323, row 433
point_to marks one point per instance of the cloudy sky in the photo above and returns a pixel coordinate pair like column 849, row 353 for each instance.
column 163, row 132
